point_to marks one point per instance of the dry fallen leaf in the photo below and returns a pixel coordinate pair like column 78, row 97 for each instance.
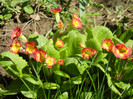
column 35, row 17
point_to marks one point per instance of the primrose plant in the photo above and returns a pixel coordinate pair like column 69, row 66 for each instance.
column 65, row 61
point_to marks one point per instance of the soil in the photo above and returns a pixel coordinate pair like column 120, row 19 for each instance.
column 113, row 13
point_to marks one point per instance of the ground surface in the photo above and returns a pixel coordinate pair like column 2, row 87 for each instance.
column 113, row 13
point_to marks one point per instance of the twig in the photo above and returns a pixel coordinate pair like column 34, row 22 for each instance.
column 26, row 25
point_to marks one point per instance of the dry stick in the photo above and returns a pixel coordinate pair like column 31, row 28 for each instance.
column 123, row 70
column 26, row 25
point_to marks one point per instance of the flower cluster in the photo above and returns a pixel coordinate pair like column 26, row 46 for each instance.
column 31, row 49
column 119, row 50
column 76, row 21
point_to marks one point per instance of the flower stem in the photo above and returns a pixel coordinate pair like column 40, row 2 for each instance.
column 123, row 70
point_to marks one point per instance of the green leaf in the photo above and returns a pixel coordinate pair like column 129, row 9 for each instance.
column 112, row 86
column 31, row 79
column 101, row 32
column 122, row 85
column 76, row 80
column 93, row 43
column 62, row 74
column 28, row 9
column 66, row 85
column 128, row 73
column 14, row 2
column 118, row 30
column 49, row 85
column 86, row 95
column 129, row 43
column 5, row 62
column 100, row 57
column 1, row 22
column 16, row 59
column 117, row 40
column 63, row 96
column 32, row 37
column 23, row 38
column 1, row 17
column 7, row 16
column 89, row 33
column 51, row 51
column 70, row 83
column 31, row 92
column 6, row 92
column 109, row 81
column 14, row 87
column 127, row 35
column 41, row 40
column 70, row 65
column 73, row 42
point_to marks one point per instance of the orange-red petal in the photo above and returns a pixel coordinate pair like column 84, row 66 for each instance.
column 56, row 10
column 107, row 44
column 50, row 61
column 59, row 43
column 121, row 51
column 60, row 25
column 15, row 47
column 30, row 48
column 88, row 52
column 16, row 33
column 76, row 23
column 39, row 55
column 75, row 16
column 60, row 61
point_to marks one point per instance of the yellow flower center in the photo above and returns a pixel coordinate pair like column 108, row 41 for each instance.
column 49, row 61
column 40, row 56
column 16, row 47
column 30, row 48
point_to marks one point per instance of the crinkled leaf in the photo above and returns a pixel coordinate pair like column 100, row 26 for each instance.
column 93, row 43
column 51, row 51
column 101, row 32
